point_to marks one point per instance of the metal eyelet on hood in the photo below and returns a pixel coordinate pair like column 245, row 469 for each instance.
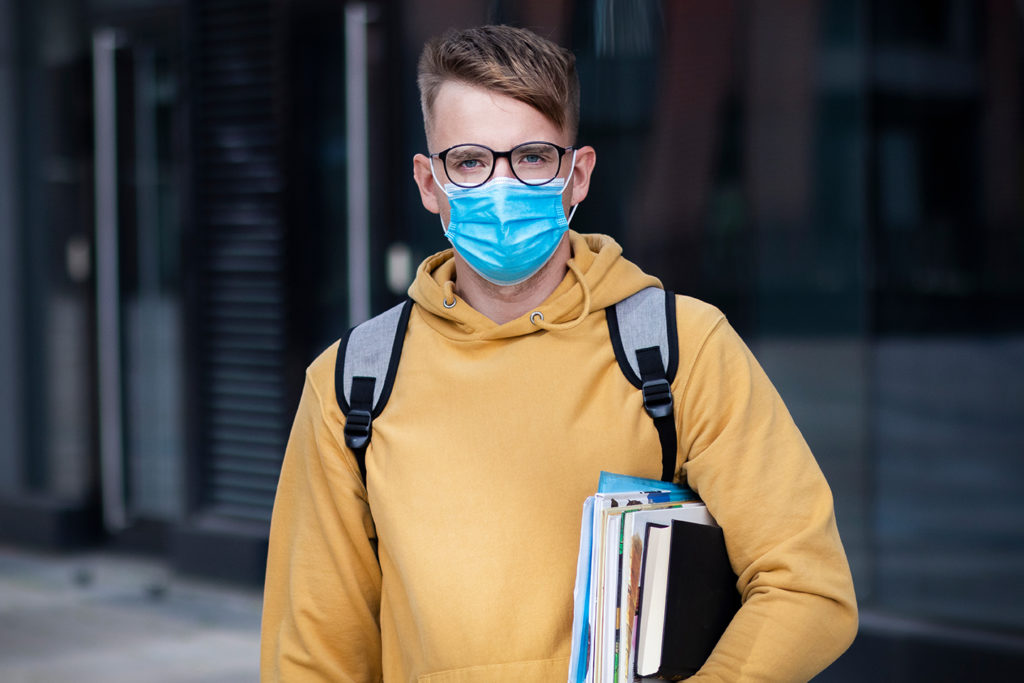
column 449, row 293
column 537, row 318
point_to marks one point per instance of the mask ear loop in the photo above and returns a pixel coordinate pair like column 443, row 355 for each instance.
column 440, row 187
column 434, row 176
column 572, row 167
column 572, row 212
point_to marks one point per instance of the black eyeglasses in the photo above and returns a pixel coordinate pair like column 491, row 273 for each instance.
column 532, row 163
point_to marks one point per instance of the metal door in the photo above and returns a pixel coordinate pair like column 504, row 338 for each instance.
column 138, row 199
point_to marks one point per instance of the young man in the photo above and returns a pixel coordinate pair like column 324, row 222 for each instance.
column 456, row 561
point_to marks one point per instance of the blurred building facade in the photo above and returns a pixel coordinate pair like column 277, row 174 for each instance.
column 196, row 197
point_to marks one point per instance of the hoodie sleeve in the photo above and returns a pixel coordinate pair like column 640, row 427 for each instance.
column 750, row 464
column 322, row 593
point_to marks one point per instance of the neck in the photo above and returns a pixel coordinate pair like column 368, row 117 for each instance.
column 504, row 303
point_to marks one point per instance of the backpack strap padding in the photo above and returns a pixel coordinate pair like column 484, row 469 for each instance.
column 644, row 337
column 642, row 320
column 372, row 349
column 364, row 373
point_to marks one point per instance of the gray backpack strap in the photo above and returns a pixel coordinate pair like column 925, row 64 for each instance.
column 644, row 336
column 364, row 374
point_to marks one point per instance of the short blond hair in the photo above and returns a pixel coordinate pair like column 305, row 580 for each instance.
column 512, row 61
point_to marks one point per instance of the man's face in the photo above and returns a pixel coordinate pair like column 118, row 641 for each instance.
column 468, row 114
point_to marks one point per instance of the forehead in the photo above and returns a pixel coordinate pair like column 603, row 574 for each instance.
column 465, row 113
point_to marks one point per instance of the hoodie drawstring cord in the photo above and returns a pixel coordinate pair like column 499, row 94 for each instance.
column 449, row 294
column 537, row 318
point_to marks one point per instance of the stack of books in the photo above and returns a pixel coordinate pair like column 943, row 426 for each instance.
column 654, row 587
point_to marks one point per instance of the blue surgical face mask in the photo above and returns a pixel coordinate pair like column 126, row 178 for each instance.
column 504, row 229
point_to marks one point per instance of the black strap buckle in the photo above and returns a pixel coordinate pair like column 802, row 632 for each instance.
column 657, row 397
column 357, row 428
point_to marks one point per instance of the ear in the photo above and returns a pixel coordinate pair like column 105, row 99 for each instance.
column 425, row 182
column 586, row 157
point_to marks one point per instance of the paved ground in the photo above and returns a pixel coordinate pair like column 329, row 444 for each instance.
column 101, row 617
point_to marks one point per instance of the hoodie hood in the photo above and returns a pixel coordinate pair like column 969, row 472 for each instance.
column 596, row 260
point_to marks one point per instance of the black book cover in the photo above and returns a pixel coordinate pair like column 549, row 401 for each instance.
column 700, row 600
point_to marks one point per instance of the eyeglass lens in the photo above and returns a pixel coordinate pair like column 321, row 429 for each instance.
column 534, row 163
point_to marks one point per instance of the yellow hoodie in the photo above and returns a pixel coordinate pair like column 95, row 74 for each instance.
column 477, row 471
